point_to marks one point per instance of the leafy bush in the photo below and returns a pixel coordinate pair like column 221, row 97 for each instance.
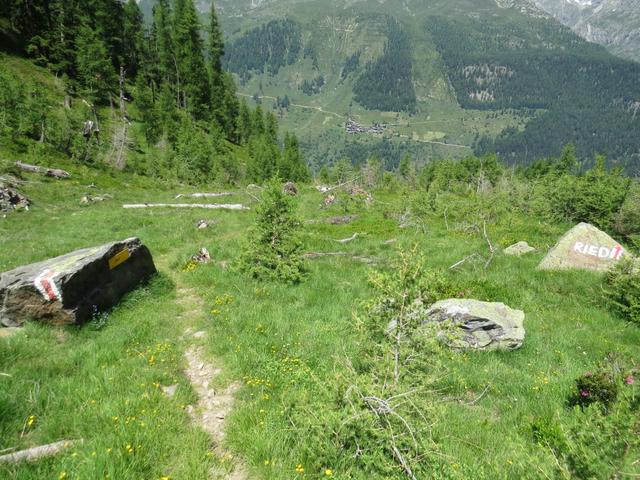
column 274, row 251
column 622, row 289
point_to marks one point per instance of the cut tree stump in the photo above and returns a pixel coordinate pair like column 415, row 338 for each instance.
column 204, row 195
column 49, row 172
column 36, row 453
column 210, row 206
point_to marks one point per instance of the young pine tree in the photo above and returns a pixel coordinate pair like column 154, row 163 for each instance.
column 274, row 251
column 292, row 166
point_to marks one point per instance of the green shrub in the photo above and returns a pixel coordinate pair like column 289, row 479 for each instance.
column 595, row 387
column 274, row 250
column 622, row 289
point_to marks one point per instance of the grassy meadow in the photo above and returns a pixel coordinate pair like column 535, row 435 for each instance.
column 299, row 350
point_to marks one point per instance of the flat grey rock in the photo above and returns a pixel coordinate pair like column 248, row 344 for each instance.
column 519, row 249
column 483, row 325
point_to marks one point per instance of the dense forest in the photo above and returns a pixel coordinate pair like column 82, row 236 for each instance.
column 502, row 65
column 386, row 84
column 271, row 46
column 162, row 79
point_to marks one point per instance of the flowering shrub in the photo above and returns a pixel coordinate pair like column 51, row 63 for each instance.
column 593, row 387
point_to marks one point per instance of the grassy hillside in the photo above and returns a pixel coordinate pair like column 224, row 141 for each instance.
column 298, row 350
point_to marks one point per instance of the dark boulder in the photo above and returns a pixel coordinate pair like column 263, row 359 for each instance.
column 290, row 189
column 70, row 289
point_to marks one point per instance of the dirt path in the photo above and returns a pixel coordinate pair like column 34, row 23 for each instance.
column 213, row 405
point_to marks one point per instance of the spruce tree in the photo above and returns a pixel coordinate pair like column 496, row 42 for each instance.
column 161, row 32
column 292, row 166
column 244, row 122
column 193, row 83
column 132, row 38
column 96, row 72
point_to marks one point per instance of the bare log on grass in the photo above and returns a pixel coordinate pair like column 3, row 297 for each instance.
column 209, row 206
column 36, row 453
column 204, row 195
column 313, row 255
column 49, row 172
column 351, row 238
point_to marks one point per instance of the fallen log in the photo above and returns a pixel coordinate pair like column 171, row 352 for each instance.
column 204, row 195
column 210, row 206
column 49, row 172
column 313, row 255
column 36, row 453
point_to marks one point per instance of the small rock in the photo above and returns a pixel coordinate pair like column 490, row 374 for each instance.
column 202, row 224
column 484, row 325
column 11, row 199
column 329, row 200
column 202, row 256
column 290, row 189
column 169, row 390
column 200, row 334
column 342, row 219
column 518, row 249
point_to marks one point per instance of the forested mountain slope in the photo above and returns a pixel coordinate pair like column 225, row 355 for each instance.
column 613, row 23
column 482, row 74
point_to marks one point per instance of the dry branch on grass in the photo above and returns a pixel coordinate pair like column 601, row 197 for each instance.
column 36, row 453
column 210, row 206
column 312, row 255
column 351, row 238
column 49, row 172
column 204, row 195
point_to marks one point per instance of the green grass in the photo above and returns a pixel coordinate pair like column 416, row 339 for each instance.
column 290, row 345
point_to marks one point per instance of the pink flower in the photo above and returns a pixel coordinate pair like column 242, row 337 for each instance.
column 630, row 380
column 584, row 393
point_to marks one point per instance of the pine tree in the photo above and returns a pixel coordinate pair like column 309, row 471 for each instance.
column 96, row 72
column 193, row 83
column 257, row 122
column 271, row 127
column 292, row 166
column 244, row 122
column 161, row 32
column 216, row 43
column 132, row 38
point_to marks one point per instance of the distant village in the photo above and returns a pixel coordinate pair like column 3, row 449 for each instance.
column 354, row 128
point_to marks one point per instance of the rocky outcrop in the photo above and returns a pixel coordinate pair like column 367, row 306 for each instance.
column 483, row 325
column 11, row 199
column 70, row 289
column 584, row 247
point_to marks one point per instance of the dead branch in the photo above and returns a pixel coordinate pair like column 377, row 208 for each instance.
column 480, row 397
column 491, row 247
column 49, row 172
column 210, row 206
column 204, row 195
column 351, row 238
column 36, row 453
column 464, row 260
column 313, row 255
column 325, row 189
